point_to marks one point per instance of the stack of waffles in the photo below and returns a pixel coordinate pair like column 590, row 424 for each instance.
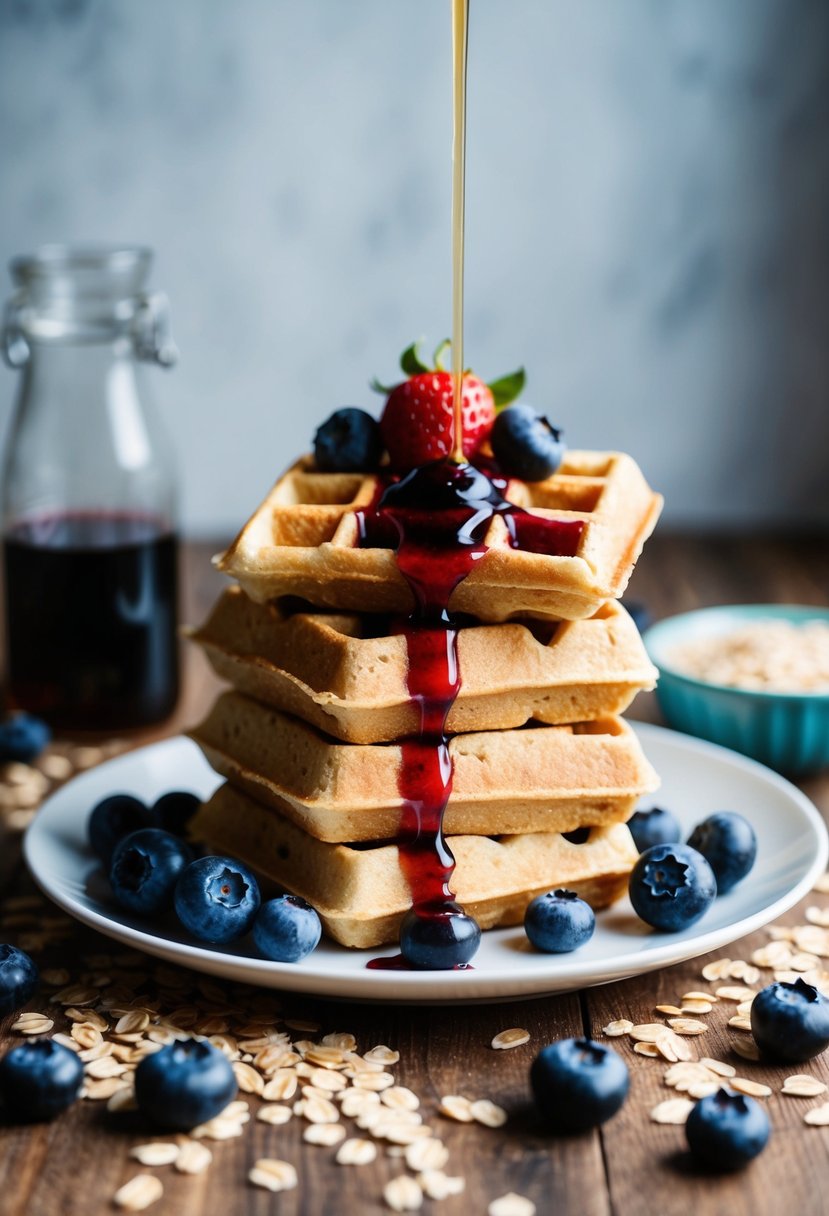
column 310, row 739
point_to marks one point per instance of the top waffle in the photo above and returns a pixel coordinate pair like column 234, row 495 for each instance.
column 302, row 541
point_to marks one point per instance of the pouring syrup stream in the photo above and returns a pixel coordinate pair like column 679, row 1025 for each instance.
column 460, row 43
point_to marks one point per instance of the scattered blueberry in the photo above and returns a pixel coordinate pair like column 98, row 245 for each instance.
column 656, row 826
column 525, row 444
column 726, row 1130
column 175, row 810
column 671, row 886
column 559, row 922
column 113, row 819
column 145, row 868
column 286, row 929
column 443, row 938
column 184, row 1084
column 348, row 442
column 578, row 1084
column 39, row 1079
column 790, row 1021
column 728, row 844
column 216, row 899
column 18, row 979
column 23, row 738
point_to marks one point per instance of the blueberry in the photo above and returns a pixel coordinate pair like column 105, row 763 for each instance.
column 559, row 922
column 145, row 868
column 184, row 1084
column 790, row 1021
column 18, row 979
column 656, row 826
column 525, row 444
column 23, row 738
column 671, row 886
column 216, row 899
column 113, row 819
column 349, row 442
column 438, row 939
column 728, row 844
column 175, row 810
column 286, row 929
column 726, row 1130
column 39, row 1079
column 578, row 1084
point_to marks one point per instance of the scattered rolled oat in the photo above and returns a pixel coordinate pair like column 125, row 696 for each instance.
column 486, row 1112
column 672, row 1009
column 648, row 1032
column 381, row 1054
column 511, row 1205
column 822, row 884
column 741, row 1022
column 438, row 1185
column 398, row 1097
column 193, row 1158
column 802, row 1085
column 673, row 1110
column 138, row 1193
column 317, row 1110
column 33, row 1023
column 746, row 1048
column 356, row 1152
column 327, row 1134
column 273, row 1175
column 754, row 1089
column 647, row 1049
column 818, row 1116
column 818, row 916
column 157, row 1153
column 621, row 1026
column 514, row 1037
column 720, row 969
column 735, row 992
column 403, row 1194
column 696, row 1005
column 687, row 1026
column 426, row 1155
column 274, row 1114
column 719, row 1067
column 456, row 1107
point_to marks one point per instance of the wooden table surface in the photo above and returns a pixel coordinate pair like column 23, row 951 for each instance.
column 631, row 1167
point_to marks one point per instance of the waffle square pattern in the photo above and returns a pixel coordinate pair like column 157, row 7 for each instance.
column 303, row 541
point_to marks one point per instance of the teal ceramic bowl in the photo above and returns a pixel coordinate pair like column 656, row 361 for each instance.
column 787, row 731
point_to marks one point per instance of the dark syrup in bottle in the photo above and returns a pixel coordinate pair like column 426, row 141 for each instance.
column 91, row 611
column 436, row 519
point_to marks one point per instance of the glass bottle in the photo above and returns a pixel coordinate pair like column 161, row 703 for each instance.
column 88, row 494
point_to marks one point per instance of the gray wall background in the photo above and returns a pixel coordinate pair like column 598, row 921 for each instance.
column 648, row 218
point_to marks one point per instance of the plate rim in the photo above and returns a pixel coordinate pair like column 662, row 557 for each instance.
column 431, row 987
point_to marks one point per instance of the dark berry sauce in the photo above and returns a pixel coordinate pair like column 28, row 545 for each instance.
column 91, row 619
column 436, row 519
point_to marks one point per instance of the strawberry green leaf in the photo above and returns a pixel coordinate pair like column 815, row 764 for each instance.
column 505, row 390
column 411, row 362
column 375, row 385
column 439, row 353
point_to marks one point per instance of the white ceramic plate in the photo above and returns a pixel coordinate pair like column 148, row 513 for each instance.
column 697, row 779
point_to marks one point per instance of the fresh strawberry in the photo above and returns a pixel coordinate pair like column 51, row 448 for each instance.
column 418, row 418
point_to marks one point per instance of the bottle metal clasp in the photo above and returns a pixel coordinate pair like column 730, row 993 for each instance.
column 151, row 330
column 15, row 347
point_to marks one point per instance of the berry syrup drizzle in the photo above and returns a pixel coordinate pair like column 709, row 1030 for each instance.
column 436, row 519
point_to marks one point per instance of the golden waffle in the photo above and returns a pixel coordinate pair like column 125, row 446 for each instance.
column 302, row 541
column 362, row 895
column 336, row 673
column 538, row 779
